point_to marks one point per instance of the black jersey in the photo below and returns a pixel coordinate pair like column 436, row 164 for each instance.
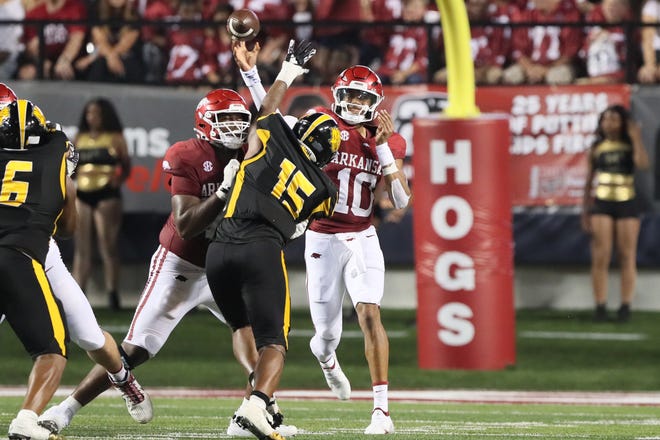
column 275, row 189
column 32, row 194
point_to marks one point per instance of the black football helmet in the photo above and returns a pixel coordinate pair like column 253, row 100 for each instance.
column 22, row 124
column 319, row 136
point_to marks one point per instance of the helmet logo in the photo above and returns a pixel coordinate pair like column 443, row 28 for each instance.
column 207, row 166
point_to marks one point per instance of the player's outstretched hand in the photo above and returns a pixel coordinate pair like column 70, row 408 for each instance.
column 245, row 58
column 301, row 53
column 296, row 57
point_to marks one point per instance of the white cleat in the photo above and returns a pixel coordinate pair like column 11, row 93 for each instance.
column 255, row 419
column 25, row 427
column 381, row 423
column 56, row 418
column 138, row 402
column 337, row 380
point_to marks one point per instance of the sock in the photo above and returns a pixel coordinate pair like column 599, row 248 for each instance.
column 380, row 397
column 119, row 376
column 72, row 404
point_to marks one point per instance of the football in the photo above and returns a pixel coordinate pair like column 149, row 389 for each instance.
column 243, row 25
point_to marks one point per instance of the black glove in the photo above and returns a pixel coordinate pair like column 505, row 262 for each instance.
column 301, row 53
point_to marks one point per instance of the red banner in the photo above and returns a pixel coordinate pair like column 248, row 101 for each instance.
column 551, row 129
column 463, row 244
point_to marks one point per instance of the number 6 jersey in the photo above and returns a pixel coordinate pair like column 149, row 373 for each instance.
column 32, row 193
column 356, row 171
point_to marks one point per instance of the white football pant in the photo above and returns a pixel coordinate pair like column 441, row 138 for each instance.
column 174, row 287
column 338, row 263
column 84, row 330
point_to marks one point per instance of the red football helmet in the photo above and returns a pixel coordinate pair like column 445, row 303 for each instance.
column 7, row 95
column 222, row 118
column 357, row 83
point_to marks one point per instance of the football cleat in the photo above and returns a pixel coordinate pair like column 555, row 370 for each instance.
column 278, row 420
column 337, row 380
column 25, row 427
column 381, row 423
column 277, row 417
column 255, row 419
column 56, row 418
column 138, row 402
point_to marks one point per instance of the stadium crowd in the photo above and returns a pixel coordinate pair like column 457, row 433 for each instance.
column 185, row 42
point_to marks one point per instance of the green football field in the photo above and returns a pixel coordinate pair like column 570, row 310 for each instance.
column 614, row 367
column 191, row 418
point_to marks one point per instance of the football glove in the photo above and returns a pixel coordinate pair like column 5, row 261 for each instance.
column 229, row 173
column 296, row 57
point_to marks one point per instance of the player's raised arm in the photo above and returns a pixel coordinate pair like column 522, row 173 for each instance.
column 292, row 67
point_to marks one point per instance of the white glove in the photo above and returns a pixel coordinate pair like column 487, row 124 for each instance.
column 300, row 229
column 229, row 174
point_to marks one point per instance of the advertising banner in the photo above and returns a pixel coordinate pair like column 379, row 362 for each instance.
column 551, row 128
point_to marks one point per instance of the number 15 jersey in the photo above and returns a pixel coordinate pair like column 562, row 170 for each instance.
column 355, row 170
column 275, row 189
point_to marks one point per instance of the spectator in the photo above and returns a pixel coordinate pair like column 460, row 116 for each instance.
column 334, row 38
column 545, row 53
column 406, row 59
column 63, row 42
column 489, row 45
column 116, row 54
column 155, row 48
column 302, row 12
column 218, row 64
column 104, row 165
column 649, row 73
column 374, row 40
column 10, row 37
column 612, row 216
column 605, row 48
column 186, row 44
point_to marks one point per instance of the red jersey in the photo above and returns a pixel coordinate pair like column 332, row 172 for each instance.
column 185, row 63
column 406, row 48
column 356, row 171
column 56, row 35
column 217, row 56
column 158, row 11
column 546, row 44
column 383, row 10
column 197, row 170
column 604, row 49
